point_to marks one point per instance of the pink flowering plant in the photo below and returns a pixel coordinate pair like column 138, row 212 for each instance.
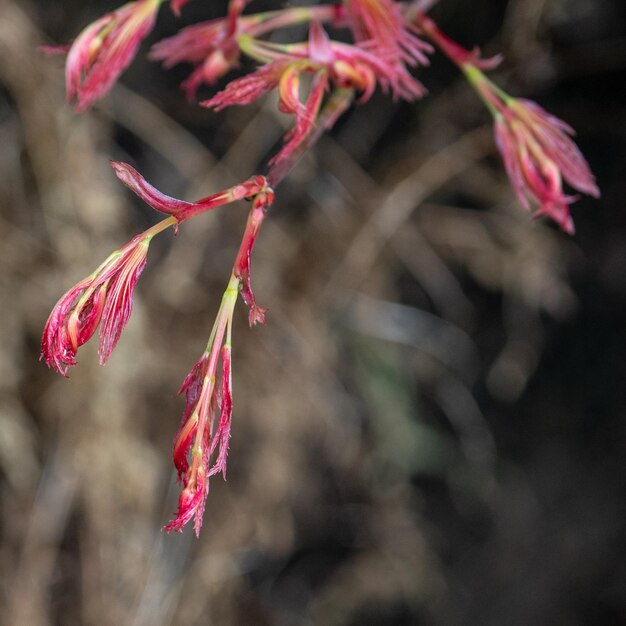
column 316, row 81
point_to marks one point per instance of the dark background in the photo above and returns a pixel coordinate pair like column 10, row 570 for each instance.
column 430, row 427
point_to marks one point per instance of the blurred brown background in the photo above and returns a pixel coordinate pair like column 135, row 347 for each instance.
column 430, row 427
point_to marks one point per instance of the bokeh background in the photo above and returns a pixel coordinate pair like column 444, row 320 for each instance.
column 430, row 427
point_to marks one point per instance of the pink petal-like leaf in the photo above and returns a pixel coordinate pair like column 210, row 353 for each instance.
column 149, row 194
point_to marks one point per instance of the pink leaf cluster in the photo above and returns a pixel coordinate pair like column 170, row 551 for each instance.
column 105, row 49
column 202, row 435
column 538, row 154
column 103, row 300
column 381, row 26
column 208, row 45
column 328, row 61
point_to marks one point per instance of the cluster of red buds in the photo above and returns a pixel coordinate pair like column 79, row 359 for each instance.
column 389, row 42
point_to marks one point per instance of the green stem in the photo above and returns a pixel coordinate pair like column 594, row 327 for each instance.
column 159, row 228
column 224, row 314
column 485, row 89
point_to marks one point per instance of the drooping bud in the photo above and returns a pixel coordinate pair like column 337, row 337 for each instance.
column 180, row 209
column 256, row 313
